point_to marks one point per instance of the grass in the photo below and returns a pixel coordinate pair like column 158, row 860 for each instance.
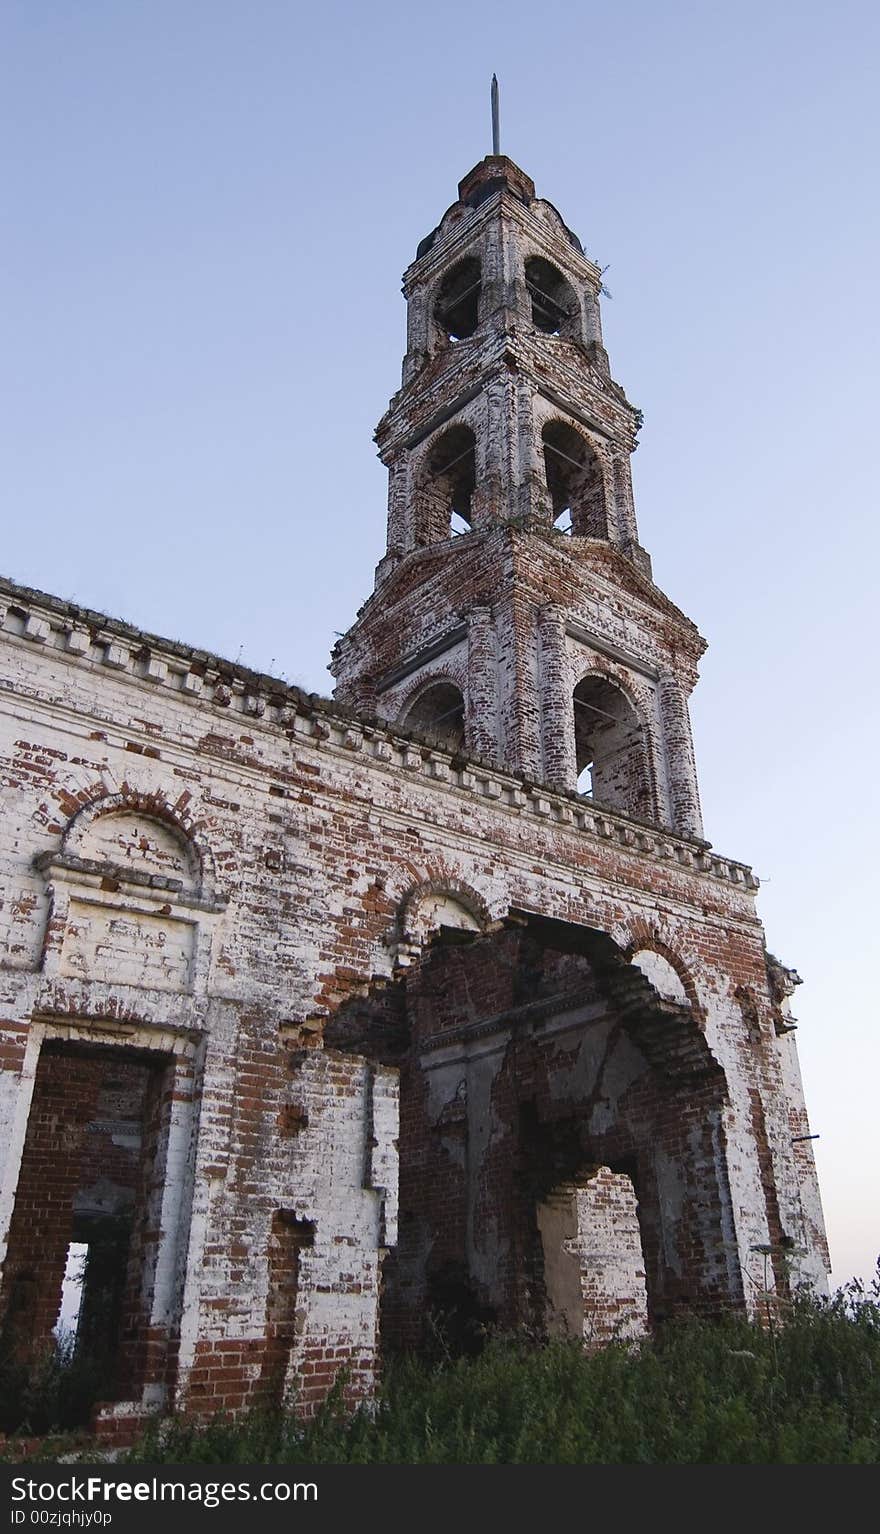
column 700, row 1393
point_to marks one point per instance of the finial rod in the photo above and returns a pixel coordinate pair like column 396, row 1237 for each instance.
column 496, row 118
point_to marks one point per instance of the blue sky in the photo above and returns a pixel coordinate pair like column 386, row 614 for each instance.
column 207, row 214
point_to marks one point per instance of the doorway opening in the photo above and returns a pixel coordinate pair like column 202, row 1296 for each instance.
column 84, row 1233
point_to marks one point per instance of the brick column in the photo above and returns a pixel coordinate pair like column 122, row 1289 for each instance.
column 682, row 772
column 399, row 535
column 532, row 494
column 520, row 709
column 557, row 708
column 482, row 691
column 417, row 324
column 592, row 317
column 492, row 295
column 489, row 501
column 623, row 513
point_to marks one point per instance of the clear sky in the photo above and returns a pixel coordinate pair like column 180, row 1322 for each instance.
column 208, row 206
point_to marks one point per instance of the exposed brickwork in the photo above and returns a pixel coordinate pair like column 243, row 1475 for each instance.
column 212, row 878
column 594, row 1266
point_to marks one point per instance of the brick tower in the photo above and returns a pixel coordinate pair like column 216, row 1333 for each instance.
column 514, row 613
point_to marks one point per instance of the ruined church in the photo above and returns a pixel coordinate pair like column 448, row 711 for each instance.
column 331, row 1025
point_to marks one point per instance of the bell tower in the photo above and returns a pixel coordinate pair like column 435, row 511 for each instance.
column 514, row 618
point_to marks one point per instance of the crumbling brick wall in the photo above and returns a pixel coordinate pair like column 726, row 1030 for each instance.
column 296, row 839
column 594, row 1264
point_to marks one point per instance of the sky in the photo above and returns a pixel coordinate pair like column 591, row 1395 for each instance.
column 209, row 207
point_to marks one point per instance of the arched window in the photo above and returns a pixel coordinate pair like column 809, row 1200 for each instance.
column 448, row 484
column 554, row 301
column 665, row 980
column 575, row 482
column 436, row 909
column 612, row 761
column 438, row 714
column 457, row 309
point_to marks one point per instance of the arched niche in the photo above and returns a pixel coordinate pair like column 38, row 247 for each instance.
column 575, row 481
column 132, row 898
column 135, row 841
column 611, row 754
column 437, row 712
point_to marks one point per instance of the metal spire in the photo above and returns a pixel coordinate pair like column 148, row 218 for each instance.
column 496, row 118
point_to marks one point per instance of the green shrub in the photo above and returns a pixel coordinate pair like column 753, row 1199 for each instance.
column 55, row 1392
column 700, row 1393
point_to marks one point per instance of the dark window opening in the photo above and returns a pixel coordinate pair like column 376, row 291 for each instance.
column 610, row 749
column 438, row 714
column 449, row 484
column 554, row 301
column 457, row 310
column 575, row 482
column 106, row 1241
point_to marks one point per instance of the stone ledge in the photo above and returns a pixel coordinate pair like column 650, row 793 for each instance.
column 95, row 874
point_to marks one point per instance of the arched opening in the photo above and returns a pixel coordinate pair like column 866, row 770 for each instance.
column 439, row 908
column 554, row 301
column 665, row 980
column 438, row 714
column 574, row 480
column 457, row 309
column 518, row 1204
column 610, row 749
column 448, row 484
